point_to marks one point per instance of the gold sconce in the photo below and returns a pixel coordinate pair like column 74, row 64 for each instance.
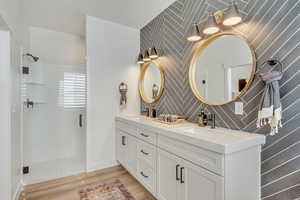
column 149, row 54
column 195, row 34
column 211, row 26
column 228, row 17
column 140, row 60
column 153, row 53
column 232, row 16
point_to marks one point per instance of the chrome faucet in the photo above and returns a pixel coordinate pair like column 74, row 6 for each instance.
column 149, row 112
column 211, row 120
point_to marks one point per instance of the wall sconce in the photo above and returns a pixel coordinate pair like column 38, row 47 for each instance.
column 153, row 53
column 228, row 17
column 195, row 34
column 232, row 16
column 149, row 54
column 211, row 26
column 140, row 60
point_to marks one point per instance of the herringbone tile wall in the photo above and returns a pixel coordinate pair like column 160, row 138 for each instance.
column 273, row 29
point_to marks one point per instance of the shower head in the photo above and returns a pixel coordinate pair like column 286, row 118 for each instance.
column 35, row 58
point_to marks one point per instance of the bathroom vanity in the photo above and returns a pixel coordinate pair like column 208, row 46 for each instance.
column 186, row 162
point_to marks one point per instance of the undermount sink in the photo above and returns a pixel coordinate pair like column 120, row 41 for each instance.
column 136, row 117
column 196, row 130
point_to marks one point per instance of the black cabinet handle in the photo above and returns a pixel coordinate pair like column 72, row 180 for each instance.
column 177, row 169
column 80, row 120
column 144, row 135
column 145, row 176
column 181, row 175
column 123, row 140
column 144, row 152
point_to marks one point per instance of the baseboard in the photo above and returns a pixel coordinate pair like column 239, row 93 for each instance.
column 18, row 191
column 102, row 165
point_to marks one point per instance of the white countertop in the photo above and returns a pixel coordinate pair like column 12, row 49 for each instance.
column 220, row 140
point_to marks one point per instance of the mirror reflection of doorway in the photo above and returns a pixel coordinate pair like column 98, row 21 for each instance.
column 236, row 79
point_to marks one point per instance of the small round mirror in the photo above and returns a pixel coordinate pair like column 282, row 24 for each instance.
column 222, row 69
column 151, row 82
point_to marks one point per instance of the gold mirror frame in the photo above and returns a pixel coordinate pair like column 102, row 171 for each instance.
column 200, row 48
column 141, row 82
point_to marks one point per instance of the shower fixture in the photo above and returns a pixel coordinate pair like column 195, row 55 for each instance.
column 35, row 58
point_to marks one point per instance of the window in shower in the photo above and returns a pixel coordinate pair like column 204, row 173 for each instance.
column 73, row 90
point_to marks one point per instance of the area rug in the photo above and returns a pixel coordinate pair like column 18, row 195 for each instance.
column 106, row 191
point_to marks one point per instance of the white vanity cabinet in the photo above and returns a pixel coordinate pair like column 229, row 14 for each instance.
column 168, row 180
column 174, row 164
column 198, row 182
column 183, row 180
column 126, row 151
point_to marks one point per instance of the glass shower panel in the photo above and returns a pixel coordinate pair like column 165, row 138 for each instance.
column 54, row 128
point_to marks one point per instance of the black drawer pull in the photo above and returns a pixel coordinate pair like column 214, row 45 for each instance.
column 144, row 152
column 145, row 176
column 123, row 140
column 177, row 169
column 144, row 135
column 181, row 175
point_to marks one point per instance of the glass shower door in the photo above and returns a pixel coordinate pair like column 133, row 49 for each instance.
column 54, row 128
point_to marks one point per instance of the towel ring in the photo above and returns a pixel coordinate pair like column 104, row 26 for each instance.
column 272, row 62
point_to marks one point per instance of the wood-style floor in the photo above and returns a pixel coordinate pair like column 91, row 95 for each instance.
column 68, row 188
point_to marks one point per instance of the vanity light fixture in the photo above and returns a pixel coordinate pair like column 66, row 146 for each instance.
column 228, row 17
column 140, row 60
column 232, row 16
column 147, row 56
column 195, row 34
column 153, row 53
column 211, row 26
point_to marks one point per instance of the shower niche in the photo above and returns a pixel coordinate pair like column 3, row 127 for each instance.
column 33, row 85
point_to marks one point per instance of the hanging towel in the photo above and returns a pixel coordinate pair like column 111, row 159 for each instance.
column 270, row 110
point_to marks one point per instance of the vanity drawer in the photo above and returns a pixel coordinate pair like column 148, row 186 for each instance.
column 147, row 136
column 130, row 129
column 206, row 159
column 147, row 153
column 147, row 176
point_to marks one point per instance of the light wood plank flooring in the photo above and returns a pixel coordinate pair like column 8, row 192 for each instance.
column 68, row 188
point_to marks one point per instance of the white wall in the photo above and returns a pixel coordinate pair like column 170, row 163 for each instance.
column 5, row 117
column 111, row 54
column 57, row 47
column 10, row 14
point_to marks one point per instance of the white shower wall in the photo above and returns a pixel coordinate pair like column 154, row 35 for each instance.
column 54, row 144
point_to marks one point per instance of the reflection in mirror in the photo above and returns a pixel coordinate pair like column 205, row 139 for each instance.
column 152, row 82
column 222, row 69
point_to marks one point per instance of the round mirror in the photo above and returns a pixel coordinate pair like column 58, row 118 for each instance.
column 222, row 69
column 151, row 82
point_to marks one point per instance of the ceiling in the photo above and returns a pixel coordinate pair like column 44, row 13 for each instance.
column 69, row 15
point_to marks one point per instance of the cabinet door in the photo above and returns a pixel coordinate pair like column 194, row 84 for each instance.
column 121, row 147
column 198, row 183
column 167, row 176
column 131, row 154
